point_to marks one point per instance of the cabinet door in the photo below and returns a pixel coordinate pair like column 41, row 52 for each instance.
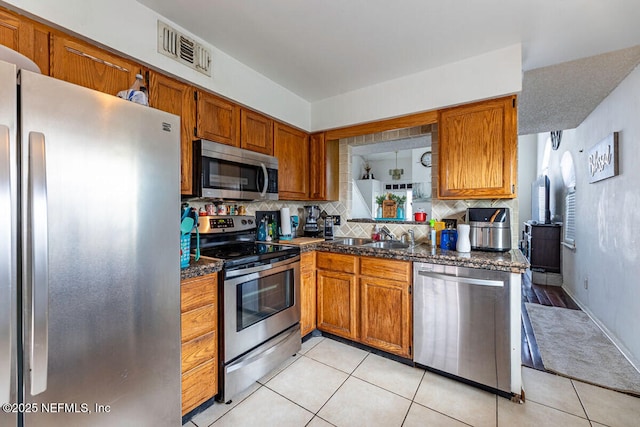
column 177, row 98
column 308, row 292
column 545, row 249
column 477, row 150
column 217, row 120
column 85, row 65
column 256, row 132
column 27, row 37
column 385, row 315
column 291, row 147
column 323, row 168
column 338, row 303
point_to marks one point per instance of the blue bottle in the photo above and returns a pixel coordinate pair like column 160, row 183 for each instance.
column 262, row 231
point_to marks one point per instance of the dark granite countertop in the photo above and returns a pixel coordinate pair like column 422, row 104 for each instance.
column 512, row 261
column 202, row 267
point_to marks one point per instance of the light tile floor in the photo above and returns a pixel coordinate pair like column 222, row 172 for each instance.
column 332, row 384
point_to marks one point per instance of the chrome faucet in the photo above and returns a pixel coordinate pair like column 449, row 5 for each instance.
column 387, row 233
column 408, row 235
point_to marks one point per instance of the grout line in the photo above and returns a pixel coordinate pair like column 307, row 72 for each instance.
column 586, row 414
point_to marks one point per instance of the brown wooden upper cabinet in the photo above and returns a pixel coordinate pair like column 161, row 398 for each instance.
column 291, row 147
column 175, row 97
column 217, row 119
column 478, row 150
column 86, row 65
column 27, row 37
column 323, row 168
column 256, row 132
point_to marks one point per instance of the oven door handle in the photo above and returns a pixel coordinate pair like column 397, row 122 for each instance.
column 235, row 277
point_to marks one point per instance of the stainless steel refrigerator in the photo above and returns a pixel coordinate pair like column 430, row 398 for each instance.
column 89, row 257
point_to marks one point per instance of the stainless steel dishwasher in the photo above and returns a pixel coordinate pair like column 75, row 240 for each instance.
column 461, row 323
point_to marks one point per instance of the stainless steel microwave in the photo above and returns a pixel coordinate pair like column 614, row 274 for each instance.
column 224, row 172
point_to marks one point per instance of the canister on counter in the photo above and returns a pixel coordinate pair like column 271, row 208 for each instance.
column 211, row 209
column 222, row 209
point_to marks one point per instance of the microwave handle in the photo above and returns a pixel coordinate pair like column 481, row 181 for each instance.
column 263, row 193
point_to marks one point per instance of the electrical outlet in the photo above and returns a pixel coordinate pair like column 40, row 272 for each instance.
column 586, row 283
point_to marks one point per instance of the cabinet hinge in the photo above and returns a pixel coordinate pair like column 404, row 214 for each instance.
column 410, row 289
column 195, row 131
column 513, row 188
column 513, row 102
column 410, row 351
column 195, row 95
column 146, row 78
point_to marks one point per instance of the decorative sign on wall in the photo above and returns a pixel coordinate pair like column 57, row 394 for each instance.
column 603, row 159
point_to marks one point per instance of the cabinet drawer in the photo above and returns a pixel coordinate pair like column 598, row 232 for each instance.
column 198, row 385
column 199, row 351
column 198, row 322
column 336, row 262
column 386, row 269
column 198, row 292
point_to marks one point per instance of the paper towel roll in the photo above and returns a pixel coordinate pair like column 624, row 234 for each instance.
column 285, row 222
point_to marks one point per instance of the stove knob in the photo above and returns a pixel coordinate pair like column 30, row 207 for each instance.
column 250, row 221
column 244, row 222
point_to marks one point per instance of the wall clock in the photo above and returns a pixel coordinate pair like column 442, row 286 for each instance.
column 425, row 160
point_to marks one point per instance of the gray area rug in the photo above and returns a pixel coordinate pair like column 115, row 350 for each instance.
column 572, row 345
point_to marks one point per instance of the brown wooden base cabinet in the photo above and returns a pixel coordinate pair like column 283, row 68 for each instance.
column 199, row 308
column 308, row 292
column 385, row 305
column 366, row 299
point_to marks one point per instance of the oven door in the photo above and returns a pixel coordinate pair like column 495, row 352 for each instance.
column 259, row 303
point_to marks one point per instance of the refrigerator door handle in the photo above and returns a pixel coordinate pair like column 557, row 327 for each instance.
column 6, row 278
column 37, row 216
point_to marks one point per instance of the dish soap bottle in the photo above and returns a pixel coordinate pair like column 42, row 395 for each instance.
column 262, row 231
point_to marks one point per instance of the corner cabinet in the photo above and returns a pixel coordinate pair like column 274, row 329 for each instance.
column 199, row 318
column 324, row 159
column 291, row 147
column 478, row 150
column 337, row 294
column 176, row 97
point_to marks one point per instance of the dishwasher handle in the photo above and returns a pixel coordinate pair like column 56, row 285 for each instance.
column 461, row 279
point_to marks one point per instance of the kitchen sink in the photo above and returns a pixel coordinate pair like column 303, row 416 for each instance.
column 387, row 244
column 353, row 241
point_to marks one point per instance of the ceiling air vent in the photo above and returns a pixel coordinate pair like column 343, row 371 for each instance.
column 183, row 49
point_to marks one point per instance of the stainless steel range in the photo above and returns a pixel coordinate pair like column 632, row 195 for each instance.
column 260, row 295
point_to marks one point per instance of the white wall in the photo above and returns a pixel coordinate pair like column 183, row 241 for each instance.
column 131, row 28
column 527, row 165
column 485, row 76
column 607, row 250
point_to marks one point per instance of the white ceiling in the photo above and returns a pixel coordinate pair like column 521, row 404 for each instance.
column 319, row 49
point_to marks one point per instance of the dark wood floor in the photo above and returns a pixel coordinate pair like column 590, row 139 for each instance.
column 553, row 296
